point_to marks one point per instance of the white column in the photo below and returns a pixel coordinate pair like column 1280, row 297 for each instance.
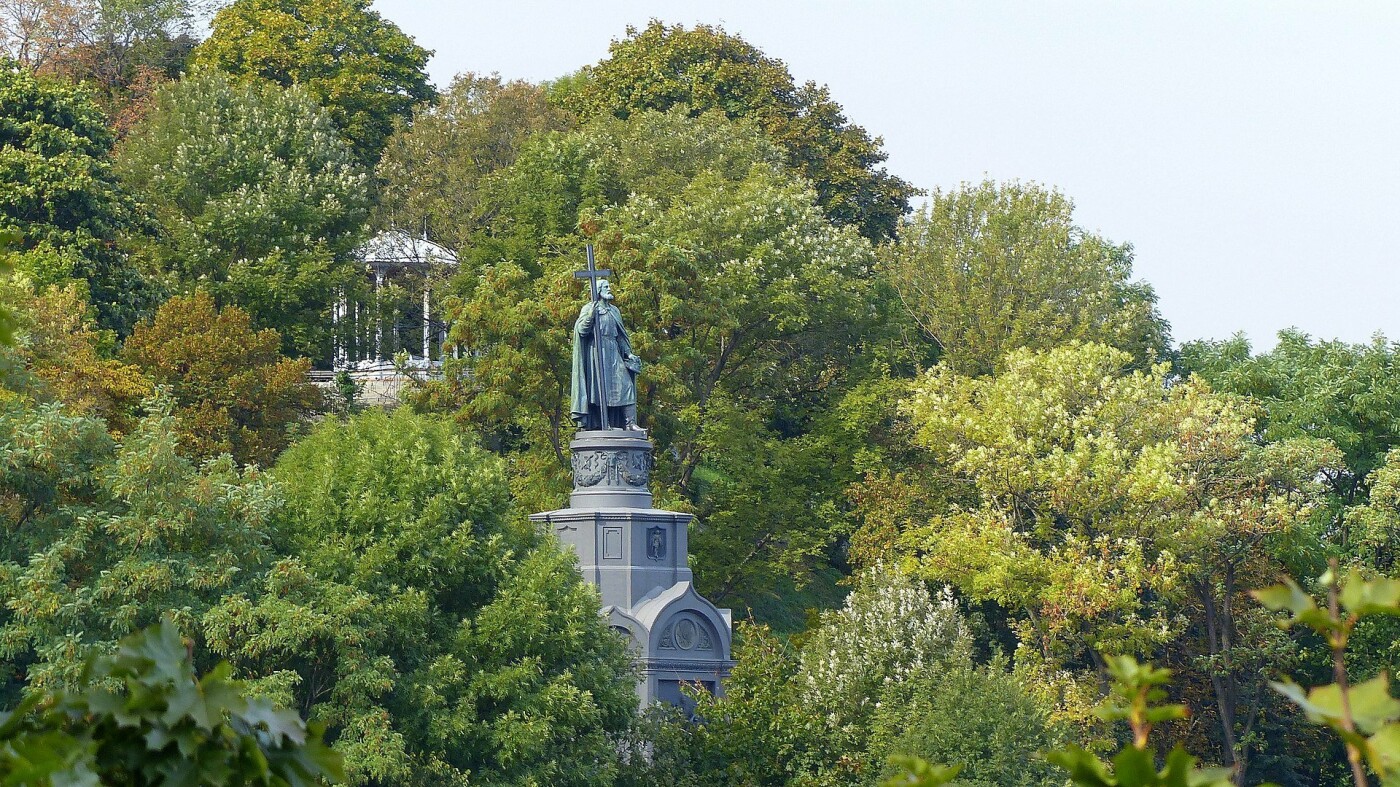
column 378, row 316
column 335, row 333
column 427, row 326
column 340, row 346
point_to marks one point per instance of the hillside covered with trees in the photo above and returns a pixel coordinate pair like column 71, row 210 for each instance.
column 949, row 468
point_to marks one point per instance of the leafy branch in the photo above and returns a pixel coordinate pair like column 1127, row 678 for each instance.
column 1136, row 697
column 1365, row 716
column 145, row 718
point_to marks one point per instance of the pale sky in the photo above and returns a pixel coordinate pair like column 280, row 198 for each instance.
column 1247, row 150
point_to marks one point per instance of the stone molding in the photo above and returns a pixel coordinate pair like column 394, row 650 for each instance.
column 720, row 666
column 600, row 516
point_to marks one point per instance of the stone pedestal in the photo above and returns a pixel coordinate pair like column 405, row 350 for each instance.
column 637, row 557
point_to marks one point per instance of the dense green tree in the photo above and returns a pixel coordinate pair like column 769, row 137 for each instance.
column 1363, row 714
column 1372, row 542
column 431, row 630
column 1136, row 696
column 434, row 171
column 362, row 68
column 1342, row 392
column 750, row 736
column 234, row 393
column 704, row 69
column 1373, row 529
column 1116, row 512
column 980, row 719
column 58, row 192
column 776, row 554
column 887, row 636
column 260, row 200
column 100, row 539
column 144, row 717
column 823, row 713
column 984, row 270
column 990, row 268
column 1345, row 393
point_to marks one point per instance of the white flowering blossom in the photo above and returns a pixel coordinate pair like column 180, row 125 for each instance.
column 257, row 193
column 890, row 629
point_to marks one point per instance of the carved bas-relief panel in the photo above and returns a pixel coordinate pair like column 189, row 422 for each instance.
column 687, row 632
column 656, row 543
column 626, row 467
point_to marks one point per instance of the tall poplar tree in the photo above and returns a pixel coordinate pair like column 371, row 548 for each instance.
column 436, row 172
column 988, row 268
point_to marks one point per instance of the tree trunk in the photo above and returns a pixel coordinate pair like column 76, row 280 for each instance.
column 1217, row 642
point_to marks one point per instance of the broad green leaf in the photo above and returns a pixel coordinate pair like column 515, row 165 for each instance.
column 1181, row 771
column 164, row 650
column 1371, row 597
column 1166, row 713
column 118, row 706
column 48, row 758
column 281, row 725
column 1383, row 750
column 204, row 703
column 1128, row 671
column 10, row 721
column 1085, row 770
column 1133, row 767
column 919, row 773
column 1319, row 620
column 1299, row 696
column 1370, row 702
column 1215, row 777
column 1287, row 596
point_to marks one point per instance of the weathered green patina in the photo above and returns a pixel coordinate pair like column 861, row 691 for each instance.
column 607, row 353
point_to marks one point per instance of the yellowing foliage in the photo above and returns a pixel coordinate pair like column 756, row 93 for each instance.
column 60, row 345
column 234, row 392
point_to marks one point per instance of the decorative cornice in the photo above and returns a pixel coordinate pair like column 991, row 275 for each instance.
column 722, row 666
column 601, row 515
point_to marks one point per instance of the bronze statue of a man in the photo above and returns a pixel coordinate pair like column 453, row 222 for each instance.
column 611, row 359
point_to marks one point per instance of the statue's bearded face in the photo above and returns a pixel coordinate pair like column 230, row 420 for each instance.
column 605, row 290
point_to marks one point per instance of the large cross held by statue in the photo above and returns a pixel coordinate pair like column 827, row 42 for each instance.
column 593, row 274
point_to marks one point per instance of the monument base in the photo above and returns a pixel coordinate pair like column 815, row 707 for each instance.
column 638, row 558
column 612, row 469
